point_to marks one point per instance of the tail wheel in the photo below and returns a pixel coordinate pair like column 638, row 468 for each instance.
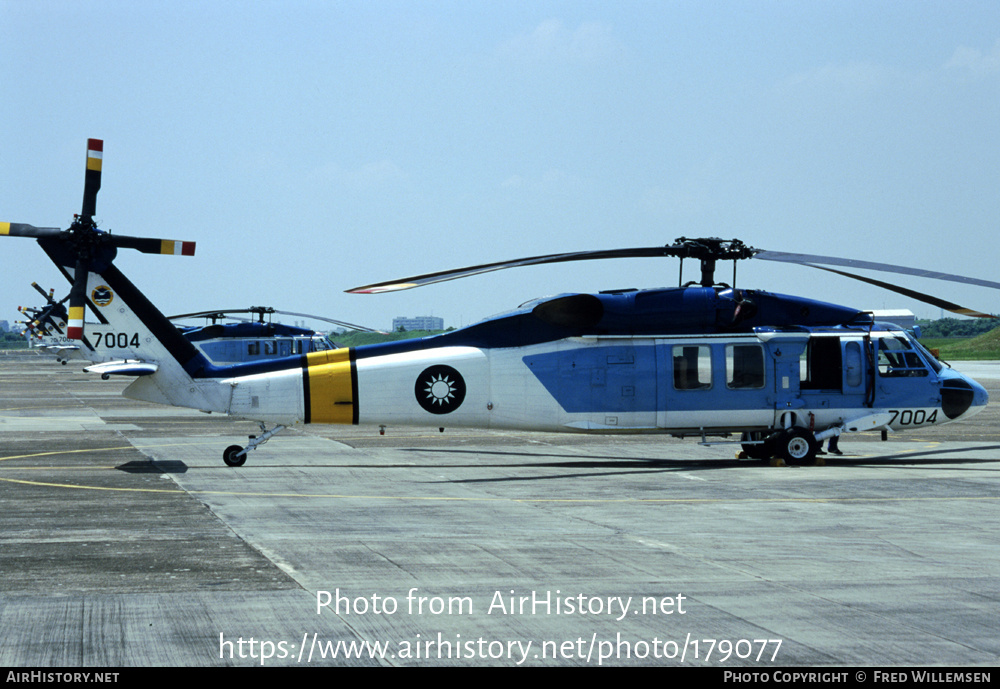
column 232, row 456
column 797, row 446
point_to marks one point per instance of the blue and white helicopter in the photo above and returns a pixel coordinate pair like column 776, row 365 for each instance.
column 704, row 359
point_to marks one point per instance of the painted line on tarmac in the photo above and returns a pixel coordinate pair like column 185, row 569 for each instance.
column 419, row 498
column 92, row 449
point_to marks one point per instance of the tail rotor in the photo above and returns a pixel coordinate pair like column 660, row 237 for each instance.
column 86, row 247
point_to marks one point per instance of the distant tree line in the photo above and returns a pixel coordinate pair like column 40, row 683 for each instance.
column 354, row 339
column 957, row 327
column 13, row 341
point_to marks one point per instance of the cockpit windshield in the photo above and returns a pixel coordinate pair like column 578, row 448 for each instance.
column 321, row 343
column 929, row 357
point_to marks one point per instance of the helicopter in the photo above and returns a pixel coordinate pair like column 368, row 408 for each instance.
column 702, row 359
column 46, row 326
column 245, row 340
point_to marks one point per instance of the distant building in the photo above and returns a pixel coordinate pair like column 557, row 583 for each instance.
column 418, row 323
column 904, row 318
column 4, row 327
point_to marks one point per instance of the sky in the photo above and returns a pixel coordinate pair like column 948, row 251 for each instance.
column 310, row 147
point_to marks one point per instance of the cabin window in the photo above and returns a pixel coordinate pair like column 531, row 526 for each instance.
column 821, row 365
column 253, row 348
column 744, row 367
column 692, row 367
column 853, row 363
column 897, row 359
column 270, row 348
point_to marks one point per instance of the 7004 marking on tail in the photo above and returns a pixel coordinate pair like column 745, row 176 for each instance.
column 116, row 340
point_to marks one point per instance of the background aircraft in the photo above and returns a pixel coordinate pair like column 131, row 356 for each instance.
column 237, row 341
column 244, row 341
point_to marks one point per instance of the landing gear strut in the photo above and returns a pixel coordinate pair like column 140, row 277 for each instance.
column 236, row 456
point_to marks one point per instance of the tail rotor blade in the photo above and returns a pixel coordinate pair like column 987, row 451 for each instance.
column 16, row 229
column 47, row 295
column 148, row 245
column 92, row 182
column 77, row 301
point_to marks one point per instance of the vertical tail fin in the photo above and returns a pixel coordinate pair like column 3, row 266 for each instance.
column 141, row 332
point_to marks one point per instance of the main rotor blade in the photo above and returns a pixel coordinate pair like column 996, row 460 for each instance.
column 16, row 229
column 807, row 259
column 221, row 313
column 92, row 181
column 344, row 324
column 442, row 276
column 919, row 296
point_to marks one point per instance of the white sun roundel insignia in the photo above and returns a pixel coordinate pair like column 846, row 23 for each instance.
column 440, row 389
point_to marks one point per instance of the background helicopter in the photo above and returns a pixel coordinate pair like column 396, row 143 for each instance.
column 240, row 341
column 46, row 326
column 701, row 359
column 245, row 341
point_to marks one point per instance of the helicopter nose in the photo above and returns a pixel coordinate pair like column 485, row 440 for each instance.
column 981, row 398
column 959, row 395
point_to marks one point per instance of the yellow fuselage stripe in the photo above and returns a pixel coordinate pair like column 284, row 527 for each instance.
column 330, row 382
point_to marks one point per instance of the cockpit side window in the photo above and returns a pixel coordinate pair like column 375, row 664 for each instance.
column 897, row 359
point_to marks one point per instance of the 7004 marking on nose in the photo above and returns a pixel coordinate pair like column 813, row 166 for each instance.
column 116, row 340
column 912, row 417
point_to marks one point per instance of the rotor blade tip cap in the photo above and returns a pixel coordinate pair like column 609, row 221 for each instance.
column 95, row 153
column 169, row 246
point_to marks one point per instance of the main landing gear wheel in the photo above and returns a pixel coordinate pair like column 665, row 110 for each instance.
column 797, row 446
column 232, row 456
